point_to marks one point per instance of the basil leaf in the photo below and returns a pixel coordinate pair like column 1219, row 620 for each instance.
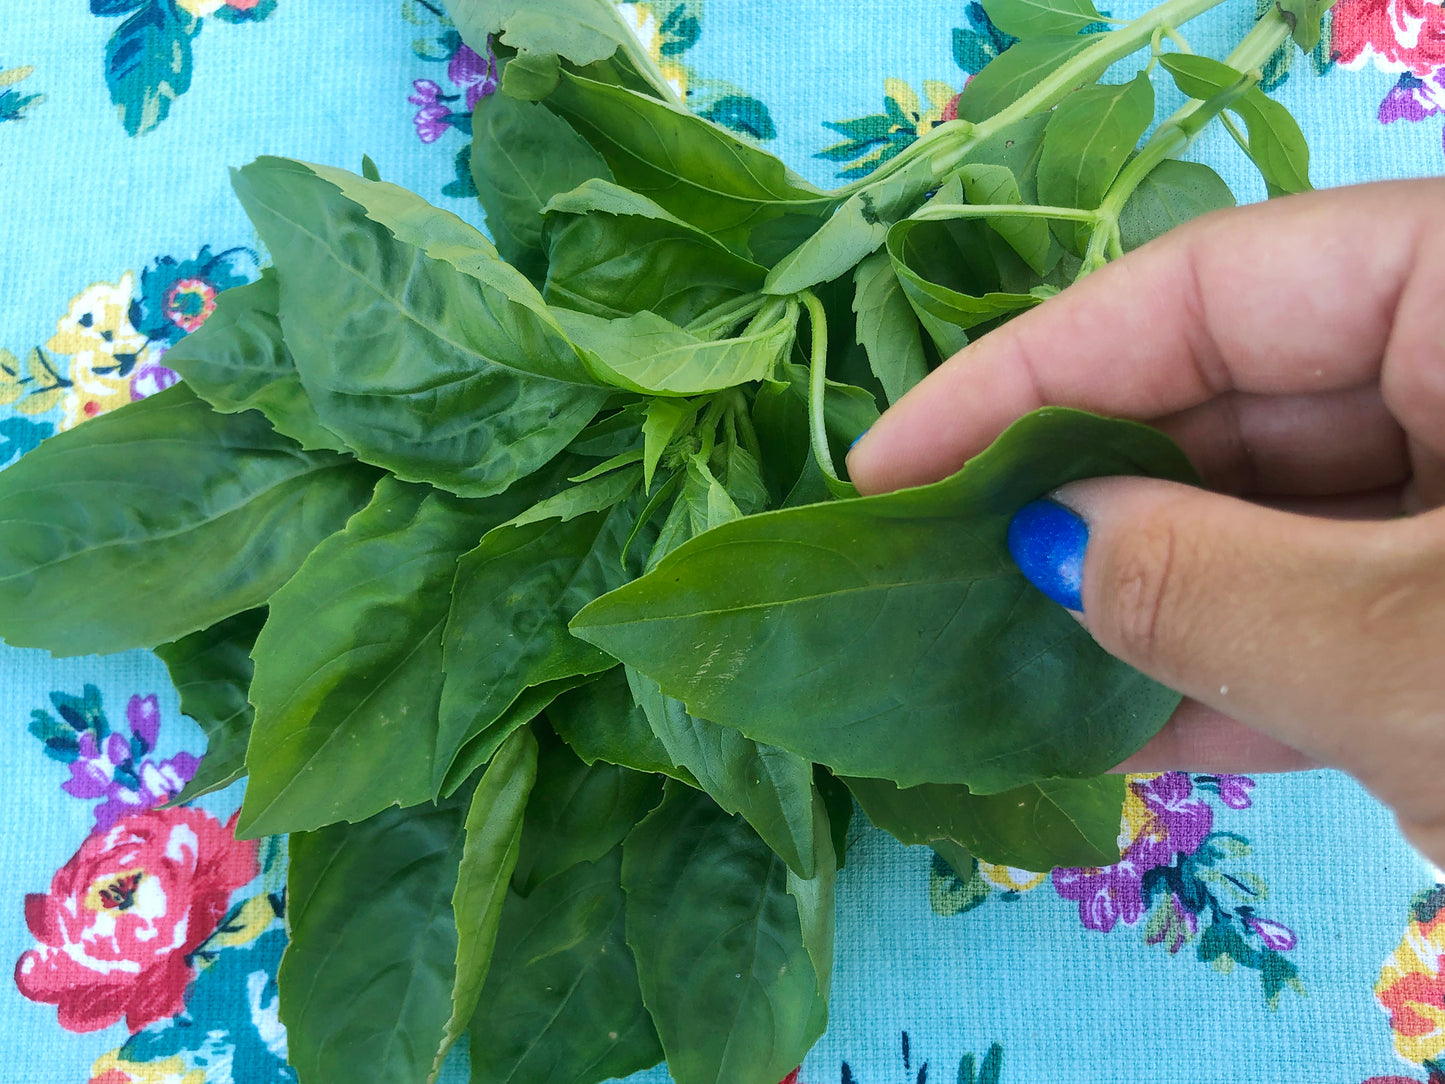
column 1089, row 137
column 507, row 629
column 722, row 946
column 996, row 184
column 1054, row 822
column 372, row 938
column 770, row 788
column 562, row 1003
column 601, row 722
column 419, row 348
column 1276, row 145
column 1015, row 71
column 950, row 275
column 578, row 813
column 612, row 252
column 854, row 230
column 886, row 327
column 494, row 828
column 1032, row 18
column 1304, row 18
column 158, row 519
column 522, row 156
column 348, row 668
column 1170, row 194
column 694, row 169
column 648, row 354
column 831, row 629
column 237, row 361
column 582, row 31
column 666, row 420
column 211, row 670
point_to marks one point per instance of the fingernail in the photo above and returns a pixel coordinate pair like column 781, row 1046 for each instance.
column 1047, row 542
column 856, row 439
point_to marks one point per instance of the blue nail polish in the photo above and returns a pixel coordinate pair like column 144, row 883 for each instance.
column 856, row 439
column 1047, row 542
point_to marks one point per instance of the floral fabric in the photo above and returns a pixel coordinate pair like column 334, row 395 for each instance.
column 1254, row 929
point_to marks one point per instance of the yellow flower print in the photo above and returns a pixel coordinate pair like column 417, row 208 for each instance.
column 200, row 8
column 104, row 349
column 1010, row 878
column 1411, row 987
column 938, row 95
column 113, row 1069
column 642, row 19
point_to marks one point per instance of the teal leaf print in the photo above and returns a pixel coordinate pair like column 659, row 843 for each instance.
column 13, row 104
column 148, row 58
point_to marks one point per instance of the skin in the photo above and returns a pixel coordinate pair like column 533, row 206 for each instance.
column 1296, row 351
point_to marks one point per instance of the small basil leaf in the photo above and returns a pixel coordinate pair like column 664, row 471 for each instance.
column 578, row 813
column 159, row 519
column 1171, row 194
column 522, row 156
column 602, row 722
column 886, row 327
column 211, row 670
column 1032, row 18
column 1054, row 822
column 493, row 827
column 1015, row 71
column 237, row 361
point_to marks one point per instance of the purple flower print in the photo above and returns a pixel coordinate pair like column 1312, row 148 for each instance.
column 1275, row 935
column 431, row 118
column 149, row 378
column 108, row 769
column 1234, row 790
column 1185, row 818
column 467, row 69
column 1105, row 894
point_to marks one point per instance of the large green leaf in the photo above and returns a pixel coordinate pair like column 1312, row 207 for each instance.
column 511, row 601
column 237, row 361
column 494, row 828
column 372, row 939
column 419, row 347
column 348, row 668
column 1033, row 18
column 1088, row 138
column 886, row 327
column 562, row 1003
column 578, row 813
column 211, row 670
column 1170, row 194
column 694, row 169
column 648, row 354
column 159, row 519
column 731, row 972
column 1055, row 822
column 829, row 630
column 522, row 156
column 1015, row 71
column 601, row 722
column 1276, row 145
column 612, row 252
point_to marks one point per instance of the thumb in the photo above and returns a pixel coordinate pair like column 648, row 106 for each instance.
column 1307, row 629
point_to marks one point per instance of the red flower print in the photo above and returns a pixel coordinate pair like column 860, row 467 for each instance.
column 123, row 916
column 1402, row 35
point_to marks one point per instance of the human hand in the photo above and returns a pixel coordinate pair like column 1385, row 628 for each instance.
column 1296, row 352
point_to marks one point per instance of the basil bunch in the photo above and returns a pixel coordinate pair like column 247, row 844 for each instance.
column 521, row 583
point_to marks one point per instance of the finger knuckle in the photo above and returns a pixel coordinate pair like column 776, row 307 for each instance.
column 1139, row 590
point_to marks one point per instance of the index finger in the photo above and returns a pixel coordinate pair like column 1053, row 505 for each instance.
column 1296, row 296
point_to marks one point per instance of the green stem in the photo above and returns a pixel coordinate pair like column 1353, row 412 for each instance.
column 949, row 143
column 726, row 316
column 1175, row 134
column 930, row 211
column 746, row 429
column 818, row 385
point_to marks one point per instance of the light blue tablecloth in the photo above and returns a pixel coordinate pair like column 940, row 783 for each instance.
column 1275, row 929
